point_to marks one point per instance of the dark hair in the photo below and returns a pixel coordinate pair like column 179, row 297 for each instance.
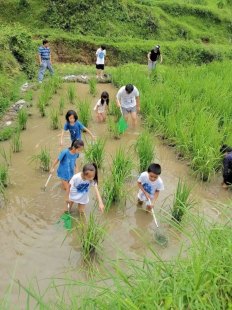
column 225, row 149
column 69, row 113
column 91, row 167
column 154, row 168
column 45, row 41
column 103, row 47
column 105, row 96
column 76, row 144
column 129, row 88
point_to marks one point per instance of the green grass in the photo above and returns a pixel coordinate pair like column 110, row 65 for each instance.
column 71, row 93
column 91, row 236
column 93, row 86
column 43, row 158
column 16, row 142
column 55, row 119
column 182, row 201
column 95, row 152
column 4, row 175
column 145, row 149
column 22, row 119
column 84, row 112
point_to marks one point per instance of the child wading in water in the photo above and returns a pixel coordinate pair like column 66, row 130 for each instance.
column 150, row 184
column 74, row 126
column 67, row 160
column 80, row 185
column 101, row 107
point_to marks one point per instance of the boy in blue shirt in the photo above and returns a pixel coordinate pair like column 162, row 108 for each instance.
column 44, row 60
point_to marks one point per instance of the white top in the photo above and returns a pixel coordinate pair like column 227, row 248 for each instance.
column 100, row 56
column 149, row 186
column 79, row 191
column 100, row 108
column 127, row 100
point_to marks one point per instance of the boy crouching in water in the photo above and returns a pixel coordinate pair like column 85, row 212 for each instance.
column 150, row 184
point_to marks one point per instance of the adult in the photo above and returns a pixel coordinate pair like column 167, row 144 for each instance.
column 127, row 99
column 44, row 60
column 227, row 165
column 153, row 57
column 100, row 63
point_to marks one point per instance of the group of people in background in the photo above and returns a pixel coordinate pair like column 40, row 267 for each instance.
column 77, row 185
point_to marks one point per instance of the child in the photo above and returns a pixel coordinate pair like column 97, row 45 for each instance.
column 79, row 187
column 102, row 106
column 100, row 62
column 74, row 126
column 67, row 160
column 150, row 184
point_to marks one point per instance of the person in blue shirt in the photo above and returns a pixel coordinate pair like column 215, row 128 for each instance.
column 74, row 126
column 67, row 163
column 44, row 60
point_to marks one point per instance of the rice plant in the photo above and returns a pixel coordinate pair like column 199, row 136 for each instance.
column 54, row 119
column 93, row 86
column 113, row 128
column 16, row 142
column 61, row 106
column 91, row 236
column 182, row 202
column 43, row 158
column 41, row 106
column 114, row 110
column 122, row 165
column 6, row 133
column 95, row 152
column 29, row 97
column 6, row 156
column 145, row 149
column 22, row 119
column 4, row 175
column 84, row 112
column 71, row 93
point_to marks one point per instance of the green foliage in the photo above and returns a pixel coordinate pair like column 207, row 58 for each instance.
column 91, row 235
column 84, row 112
column 113, row 128
column 145, row 149
column 61, row 105
column 55, row 119
column 4, row 175
column 95, row 152
column 22, row 119
column 41, row 106
column 16, row 142
column 182, row 202
column 6, row 156
column 6, row 133
column 43, row 158
column 23, row 4
column 93, row 86
column 71, row 93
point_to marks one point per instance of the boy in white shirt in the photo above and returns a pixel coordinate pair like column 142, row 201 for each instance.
column 150, row 184
column 100, row 63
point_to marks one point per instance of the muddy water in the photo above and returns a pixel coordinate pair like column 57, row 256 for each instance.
column 33, row 245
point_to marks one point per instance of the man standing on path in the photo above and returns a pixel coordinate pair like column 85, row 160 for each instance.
column 44, row 60
column 153, row 56
column 127, row 99
column 100, row 63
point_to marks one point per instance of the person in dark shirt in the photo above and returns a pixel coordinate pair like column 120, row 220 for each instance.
column 153, row 56
column 227, row 165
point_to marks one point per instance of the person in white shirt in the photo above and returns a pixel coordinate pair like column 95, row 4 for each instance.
column 100, row 63
column 127, row 99
column 150, row 184
column 101, row 106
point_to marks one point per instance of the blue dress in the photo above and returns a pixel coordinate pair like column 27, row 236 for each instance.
column 67, row 165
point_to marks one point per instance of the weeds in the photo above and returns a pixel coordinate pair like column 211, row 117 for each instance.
column 22, row 119
column 55, row 119
column 181, row 202
column 71, row 94
column 84, row 111
column 95, row 152
column 16, row 142
column 91, row 235
column 93, row 86
column 145, row 149
column 44, row 159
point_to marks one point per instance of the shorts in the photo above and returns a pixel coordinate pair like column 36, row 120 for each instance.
column 100, row 67
column 128, row 110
